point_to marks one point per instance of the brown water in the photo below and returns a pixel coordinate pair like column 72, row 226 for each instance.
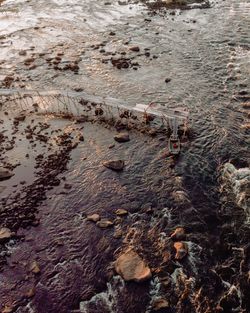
column 205, row 53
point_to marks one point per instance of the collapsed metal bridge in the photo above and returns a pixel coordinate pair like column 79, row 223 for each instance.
column 81, row 104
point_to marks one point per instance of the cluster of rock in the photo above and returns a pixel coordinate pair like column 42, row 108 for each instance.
column 104, row 222
column 131, row 266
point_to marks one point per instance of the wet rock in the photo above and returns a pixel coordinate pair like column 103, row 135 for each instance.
column 67, row 186
column 115, row 165
column 121, row 212
column 5, row 174
column 131, row 267
column 80, row 138
column 34, row 267
column 81, row 119
column 5, row 234
column 93, row 217
column 134, row 49
column 178, row 234
column 181, row 250
column 7, row 309
column 30, row 293
column 104, row 223
column 122, row 137
column 22, row 52
column 160, row 304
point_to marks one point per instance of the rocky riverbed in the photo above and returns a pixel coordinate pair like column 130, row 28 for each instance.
column 100, row 218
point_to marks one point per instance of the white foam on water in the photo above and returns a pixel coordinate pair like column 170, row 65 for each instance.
column 108, row 298
column 193, row 255
column 238, row 180
column 154, row 292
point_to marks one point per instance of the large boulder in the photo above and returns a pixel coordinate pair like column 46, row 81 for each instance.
column 131, row 267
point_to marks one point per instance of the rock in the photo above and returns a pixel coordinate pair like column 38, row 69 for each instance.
column 5, row 234
column 104, row 223
column 121, row 212
column 181, row 250
column 178, row 234
column 67, row 186
column 30, row 293
column 167, row 80
column 22, row 52
column 80, row 138
column 159, row 304
column 5, row 174
column 134, row 49
column 7, row 309
column 93, row 217
column 117, row 233
column 115, row 165
column 131, row 267
column 81, row 119
column 20, row 118
column 122, row 137
column 34, row 267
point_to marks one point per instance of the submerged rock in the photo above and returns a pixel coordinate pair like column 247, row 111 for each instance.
column 104, row 223
column 5, row 174
column 5, row 234
column 122, row 137
column 131, row 267
column 115, row 165
column 181, row 250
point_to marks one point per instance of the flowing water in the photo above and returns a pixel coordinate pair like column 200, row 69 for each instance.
column 204, row 52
